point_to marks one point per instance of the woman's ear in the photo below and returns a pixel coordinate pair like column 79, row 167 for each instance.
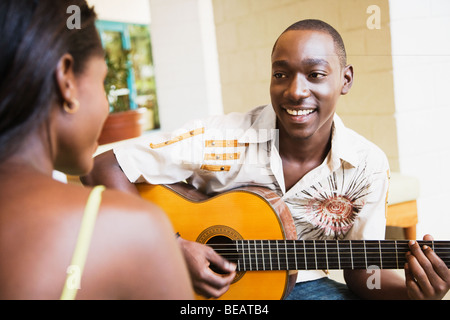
column 348, row 79
column 65, row 79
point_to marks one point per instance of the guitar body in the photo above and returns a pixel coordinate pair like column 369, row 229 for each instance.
column 245, row 213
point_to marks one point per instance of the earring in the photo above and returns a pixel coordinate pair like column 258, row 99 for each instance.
column 71, row 107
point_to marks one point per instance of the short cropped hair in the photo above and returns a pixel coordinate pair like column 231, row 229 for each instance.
column 319, row 25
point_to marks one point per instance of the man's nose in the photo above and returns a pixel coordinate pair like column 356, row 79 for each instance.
column 298, row 88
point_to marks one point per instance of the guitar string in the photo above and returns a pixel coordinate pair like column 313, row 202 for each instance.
column 387, row 259
column 372, row 248
column 362, row 264
column 319, row 262
column 385, row 255
column 330, row 250
column 323, row 264
column 330, row 242
column 384, row 250
column 323, row 254
column 354, row 245
column 343, row 246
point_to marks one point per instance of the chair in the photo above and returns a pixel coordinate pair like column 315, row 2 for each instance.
column 402, row 204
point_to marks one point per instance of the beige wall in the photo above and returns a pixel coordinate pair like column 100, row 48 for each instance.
column 420, row 31
column 247, row 29
column 131, row 11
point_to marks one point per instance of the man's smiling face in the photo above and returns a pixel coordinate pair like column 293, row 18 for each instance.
column 307, row 80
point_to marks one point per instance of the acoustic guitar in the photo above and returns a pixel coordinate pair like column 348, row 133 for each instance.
column 253, row 228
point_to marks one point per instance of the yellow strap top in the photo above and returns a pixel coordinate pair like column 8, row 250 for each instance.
column 75, row 270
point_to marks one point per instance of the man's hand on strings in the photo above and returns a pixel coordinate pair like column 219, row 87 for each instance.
column 200, row 259
column 427, row 276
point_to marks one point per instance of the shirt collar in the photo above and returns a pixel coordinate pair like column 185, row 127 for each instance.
column 263, row 129
column 343, row 146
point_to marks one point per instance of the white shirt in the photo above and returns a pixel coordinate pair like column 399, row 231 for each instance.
column 343, row 198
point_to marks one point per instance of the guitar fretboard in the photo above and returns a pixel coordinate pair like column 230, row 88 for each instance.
column 260, row 255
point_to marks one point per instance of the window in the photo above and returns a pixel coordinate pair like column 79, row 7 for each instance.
column 130, row 82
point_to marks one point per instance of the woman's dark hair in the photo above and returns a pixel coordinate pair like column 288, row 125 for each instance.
column 34, row 35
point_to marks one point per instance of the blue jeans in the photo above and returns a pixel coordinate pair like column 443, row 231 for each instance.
column 321, row 289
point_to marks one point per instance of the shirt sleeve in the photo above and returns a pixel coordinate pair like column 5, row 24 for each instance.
column 163, row 158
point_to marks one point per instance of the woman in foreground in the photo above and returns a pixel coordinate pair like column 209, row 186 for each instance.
column 52, row 108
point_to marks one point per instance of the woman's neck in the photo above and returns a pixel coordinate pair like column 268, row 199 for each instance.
column 32, row 156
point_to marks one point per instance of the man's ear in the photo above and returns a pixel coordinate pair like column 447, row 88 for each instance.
column 348, row 79
column 65, row 78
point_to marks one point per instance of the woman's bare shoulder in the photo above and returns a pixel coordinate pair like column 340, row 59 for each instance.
column 131, row 245
column 135, row 238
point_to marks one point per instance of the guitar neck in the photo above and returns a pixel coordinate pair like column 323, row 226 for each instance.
column 260, row 255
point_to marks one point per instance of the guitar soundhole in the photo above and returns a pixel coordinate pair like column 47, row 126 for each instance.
column 222, row 239
column 225, row 247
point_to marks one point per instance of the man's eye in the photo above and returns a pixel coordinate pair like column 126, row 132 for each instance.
column 317, row 75
column 278, row 75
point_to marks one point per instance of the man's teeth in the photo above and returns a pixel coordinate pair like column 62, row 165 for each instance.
column 299, row 112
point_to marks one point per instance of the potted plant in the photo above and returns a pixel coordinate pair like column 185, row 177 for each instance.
column 123, row 122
